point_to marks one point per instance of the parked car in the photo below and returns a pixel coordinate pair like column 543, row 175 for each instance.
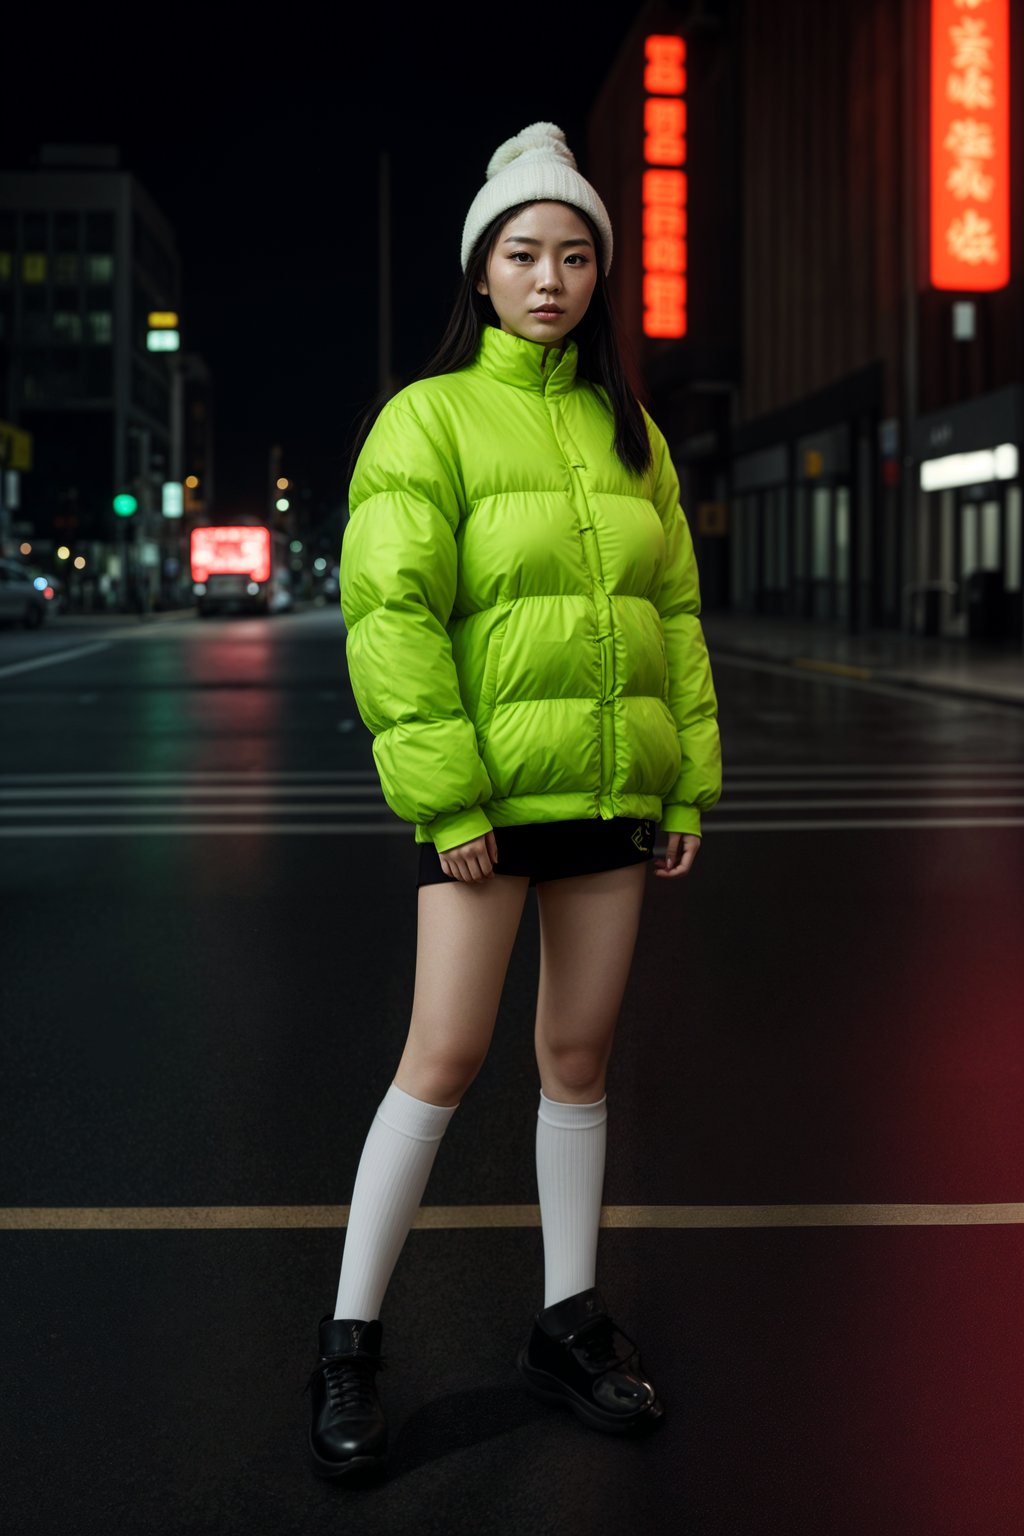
column 25, row 597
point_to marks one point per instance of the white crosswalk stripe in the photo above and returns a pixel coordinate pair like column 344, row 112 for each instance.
column 756, row 798
column 205, row 802
column 869, row 796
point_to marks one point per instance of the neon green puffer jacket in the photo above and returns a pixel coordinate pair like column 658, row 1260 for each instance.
column 522, row 611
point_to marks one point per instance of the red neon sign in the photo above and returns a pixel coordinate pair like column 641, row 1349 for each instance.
column 664, row 187
column 970, row 144
column 231, row 551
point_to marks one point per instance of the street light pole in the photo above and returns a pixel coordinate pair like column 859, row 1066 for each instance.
column 384, row 273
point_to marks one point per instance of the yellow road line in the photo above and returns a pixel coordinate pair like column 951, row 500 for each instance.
column 265, row 1217
column 839, row 668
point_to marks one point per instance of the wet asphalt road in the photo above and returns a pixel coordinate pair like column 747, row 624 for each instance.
column 210, row 927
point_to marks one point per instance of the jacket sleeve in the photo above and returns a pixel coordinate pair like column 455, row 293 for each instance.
column 691, row 691
column 397, row 585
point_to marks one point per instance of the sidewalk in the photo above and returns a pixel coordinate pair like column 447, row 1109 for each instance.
column 989, row 671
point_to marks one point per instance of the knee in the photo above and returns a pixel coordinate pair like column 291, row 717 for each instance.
column 575, row 1070
column 437, row 1077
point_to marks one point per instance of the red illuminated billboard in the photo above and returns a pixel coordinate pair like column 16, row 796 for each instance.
column 664, row 187
column 970, row 144
column 233, row 551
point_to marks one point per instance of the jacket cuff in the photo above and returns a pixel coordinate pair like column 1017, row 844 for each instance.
column 680, row 818
column 455, row 827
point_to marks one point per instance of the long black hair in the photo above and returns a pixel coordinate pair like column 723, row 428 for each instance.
column 602, row 361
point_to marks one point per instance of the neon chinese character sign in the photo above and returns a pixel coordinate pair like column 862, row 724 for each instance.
column 664, row 187
column 970, row 144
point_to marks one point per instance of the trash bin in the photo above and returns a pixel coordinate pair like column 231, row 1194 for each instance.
column 984, row 600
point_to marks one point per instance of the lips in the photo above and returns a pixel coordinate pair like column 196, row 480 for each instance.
column 547, row 309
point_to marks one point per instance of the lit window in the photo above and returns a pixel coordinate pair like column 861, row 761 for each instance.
column 67, row 325
column 6, row 266
column 100, row 269
column 100, row 325
column 33, row 267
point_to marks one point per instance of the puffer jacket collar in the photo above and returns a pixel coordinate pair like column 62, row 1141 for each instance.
column 547, row 368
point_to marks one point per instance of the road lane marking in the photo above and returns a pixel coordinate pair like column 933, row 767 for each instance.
column 348, row 828
column 188, row 807
column 913, row 794
column 838, row 668
column 435, row 1217
column 207, row 791
column 52, row 659
column 185, row 777
column 874, row 802
column 740, row 773
column 847, row 768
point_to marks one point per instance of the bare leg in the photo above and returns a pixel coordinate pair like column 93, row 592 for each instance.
column 465, row 938
column 588, row 928
column 464, row 942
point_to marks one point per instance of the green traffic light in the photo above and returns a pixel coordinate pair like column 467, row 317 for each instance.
column 125, row 505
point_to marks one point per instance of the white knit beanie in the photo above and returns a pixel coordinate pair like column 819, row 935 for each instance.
column 536, row 165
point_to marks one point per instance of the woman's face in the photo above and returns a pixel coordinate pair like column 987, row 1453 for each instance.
column 542, row 272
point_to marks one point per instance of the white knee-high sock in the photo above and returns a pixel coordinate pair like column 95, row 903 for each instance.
column 393, row 1171
column 570, row 1178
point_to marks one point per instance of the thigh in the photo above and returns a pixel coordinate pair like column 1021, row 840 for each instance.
column 588, row 929
column 464, row 940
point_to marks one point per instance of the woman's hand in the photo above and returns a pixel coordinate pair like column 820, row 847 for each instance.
column 682, row 850
column 473, row 860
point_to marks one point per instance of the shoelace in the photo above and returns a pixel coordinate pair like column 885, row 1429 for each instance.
column 347, row 1387
column 593, row 1344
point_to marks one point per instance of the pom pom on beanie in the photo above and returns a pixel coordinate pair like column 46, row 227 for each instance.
column 535, row 165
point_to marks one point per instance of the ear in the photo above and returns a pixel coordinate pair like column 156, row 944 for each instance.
column 481, row 285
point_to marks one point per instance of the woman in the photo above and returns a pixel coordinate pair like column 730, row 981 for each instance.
column 519, row 586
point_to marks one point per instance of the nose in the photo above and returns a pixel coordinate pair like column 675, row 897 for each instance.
column 548, row 277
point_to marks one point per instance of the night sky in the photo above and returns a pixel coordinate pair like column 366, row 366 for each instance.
column 267, row 170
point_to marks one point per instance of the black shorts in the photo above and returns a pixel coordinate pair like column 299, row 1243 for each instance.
column 554, row 850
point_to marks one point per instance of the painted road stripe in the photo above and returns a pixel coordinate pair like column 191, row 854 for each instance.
column 723, row 814
column 741, row 785
column 53, row 658
column 347, row 828
column 874, row 802
column 208, row 792
column 343, row 791
column 929, row 772
column 765, row 769
column 433, row 1217
column 159, row 780
column 723, row 820
column 188, row 807
column 837, row 668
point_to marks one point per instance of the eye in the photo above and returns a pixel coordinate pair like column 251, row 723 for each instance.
column 514, row 255
column 577, row 256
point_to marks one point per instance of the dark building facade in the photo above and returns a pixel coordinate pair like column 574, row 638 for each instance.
column 866, row 439
column 85, row 257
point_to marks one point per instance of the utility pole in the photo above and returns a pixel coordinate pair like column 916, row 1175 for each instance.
column 384, row 273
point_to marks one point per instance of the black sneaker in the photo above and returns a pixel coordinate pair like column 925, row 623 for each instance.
column 348, row 1434
column 573, row 1358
